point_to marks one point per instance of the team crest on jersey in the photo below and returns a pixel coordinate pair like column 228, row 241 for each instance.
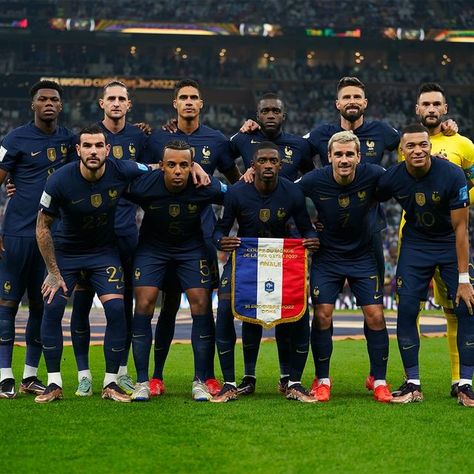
column 264, row 215
column 399, row 282
column 224, row 282
column 206, row 155
column 137, row 273
column 344, row 200
column 316, row 291
column 117, row 151
column 132, row 151
column 96, row 200
column 174, row 210
column 420, row 199
column 51, row 154
column 113, row 193
column 288, row 155
column 435, row 197
column 269, row 286
column 63, row 150
column 7, row 286
column 192, row 208
column 281, row 214
column 362, row 195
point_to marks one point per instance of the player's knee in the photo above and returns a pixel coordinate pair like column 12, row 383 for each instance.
column 375, row 319
column 323, row 318
column 7, row 331
column 54, row 311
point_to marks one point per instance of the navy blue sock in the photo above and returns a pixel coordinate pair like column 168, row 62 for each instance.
column 33, row 334
column 164, row 334
column 251, row 337
column 465, row 339
column 321, row 347
column 282, row 336
column 7, row 335
column 80, row 327
column 212, row 351
column 225, row 340
column 115, row 334
column 128, row 308
column 371, row 370
column 202, row 339
column 407, row 334
column 141, row 344
column 299, row 346
column 52, row 332
column 377, row 347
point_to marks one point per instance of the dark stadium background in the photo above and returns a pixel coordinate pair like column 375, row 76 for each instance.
column 238, row 51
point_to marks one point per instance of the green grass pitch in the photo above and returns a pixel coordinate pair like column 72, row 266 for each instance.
column 263, row 433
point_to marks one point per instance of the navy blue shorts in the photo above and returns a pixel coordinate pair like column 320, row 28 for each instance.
column 21, row 269
column 416, row 267
column 328, row 278
column 102, row 271
column 153, row 268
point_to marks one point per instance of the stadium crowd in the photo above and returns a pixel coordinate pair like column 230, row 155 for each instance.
column 326, row 13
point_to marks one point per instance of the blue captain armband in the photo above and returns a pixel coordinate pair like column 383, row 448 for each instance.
column 469, row 172
column 463, row 194
column 224, row 187
column 143, row 167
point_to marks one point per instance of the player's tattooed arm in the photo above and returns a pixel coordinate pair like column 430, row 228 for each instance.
column 53, row 280
column 465, row 292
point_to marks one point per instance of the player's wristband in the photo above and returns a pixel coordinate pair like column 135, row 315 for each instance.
column 464, row 277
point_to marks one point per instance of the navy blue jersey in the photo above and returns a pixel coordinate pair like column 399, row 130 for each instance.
column 343, row 210
column 260, row 215
column 30, row 156
column 427, row 201
column 375, row 137
column 87, row 208
column 211, row 147
column 295, row 151
column 128, row 144
column 173, row 220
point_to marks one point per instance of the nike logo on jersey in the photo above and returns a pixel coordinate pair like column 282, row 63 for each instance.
column 322, row 359
column 224, row 352
column 155, row 207
column 117, row 350
column 385, row 358
column 34, row 153
column 78, row 201
column 324, row 198
column 403, row 197
column 377, row 297
column 6, row 340
column 207, row 336
column 469, row 344
column 253, row 142
column 405, row 348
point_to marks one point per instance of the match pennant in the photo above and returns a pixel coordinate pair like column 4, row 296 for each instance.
column 269, row 281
